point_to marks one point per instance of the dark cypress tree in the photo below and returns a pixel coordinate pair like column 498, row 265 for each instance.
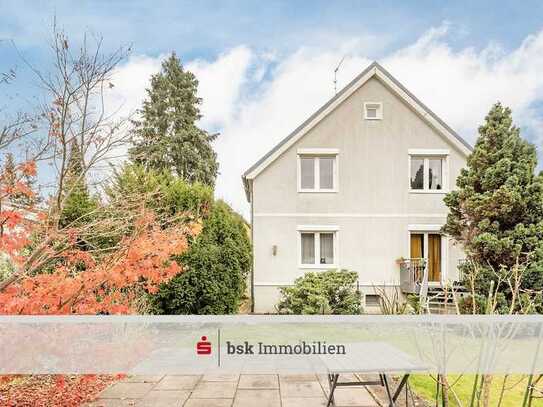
column 167, row 136
column 497, row 210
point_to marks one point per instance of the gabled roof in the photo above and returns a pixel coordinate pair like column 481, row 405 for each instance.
column 392, row 83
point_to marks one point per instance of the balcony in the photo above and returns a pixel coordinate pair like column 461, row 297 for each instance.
column 412, row 275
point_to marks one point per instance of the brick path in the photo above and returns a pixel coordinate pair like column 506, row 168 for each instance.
column 251, row 390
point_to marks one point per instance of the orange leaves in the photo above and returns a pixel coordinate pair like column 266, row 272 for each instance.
column 143, row 262
column 28, row 168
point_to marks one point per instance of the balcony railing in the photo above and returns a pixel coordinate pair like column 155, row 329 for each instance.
column 412, row 272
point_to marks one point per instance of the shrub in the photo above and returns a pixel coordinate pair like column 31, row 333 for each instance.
column 161, row 191
column 216, row 268
column 328, row 292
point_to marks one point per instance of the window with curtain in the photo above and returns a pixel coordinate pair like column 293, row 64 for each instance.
column 307, row 176
column 308, row 248
column 327, row 248
column 426, row 173
column 417, row 173
column 317, row 173
column 317, row 248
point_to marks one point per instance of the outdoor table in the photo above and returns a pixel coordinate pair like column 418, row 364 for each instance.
column 371, row 357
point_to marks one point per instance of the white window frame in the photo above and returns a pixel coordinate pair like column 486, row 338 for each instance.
column 318, row 153
column 379, row 113
column 317, row 230
column 426, row 155
column 431, row 229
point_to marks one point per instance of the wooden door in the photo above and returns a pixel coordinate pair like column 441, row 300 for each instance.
column 434, row 257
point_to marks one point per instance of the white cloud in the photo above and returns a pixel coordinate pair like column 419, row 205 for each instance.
column 255, row 100
column 220, row 84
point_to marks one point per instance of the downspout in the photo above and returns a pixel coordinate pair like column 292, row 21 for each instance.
column 252, row 251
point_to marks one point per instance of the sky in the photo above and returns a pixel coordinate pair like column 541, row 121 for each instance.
column 264, row 67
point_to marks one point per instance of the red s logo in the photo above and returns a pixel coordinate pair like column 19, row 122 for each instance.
column 203, row 347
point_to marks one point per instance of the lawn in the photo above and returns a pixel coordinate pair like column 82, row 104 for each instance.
column 515, row 387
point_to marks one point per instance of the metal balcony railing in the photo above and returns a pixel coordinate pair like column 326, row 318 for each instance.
column 412, row 275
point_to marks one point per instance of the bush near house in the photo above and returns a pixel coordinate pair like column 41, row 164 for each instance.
column 328, row 292
column 217, row 263
column 215, row 269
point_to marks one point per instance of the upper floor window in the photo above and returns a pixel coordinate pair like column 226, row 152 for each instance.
column 317, row 170
column 373, row 110
column 428, row 170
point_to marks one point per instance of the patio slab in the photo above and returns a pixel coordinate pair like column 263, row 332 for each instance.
column 353, row 396
column 260, row 398
column 219, row 390
column 301, row 389
column 125, row 390
column 178, row 383
column 303, row 402
column 208, row 403
column 258, row 381
column 164, row 398
column 224, row 390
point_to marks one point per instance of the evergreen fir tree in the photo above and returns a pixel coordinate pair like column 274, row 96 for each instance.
column 497, row 210
column 78, row 204
column 167, row 137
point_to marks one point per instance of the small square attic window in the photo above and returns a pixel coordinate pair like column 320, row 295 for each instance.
column 373, row 111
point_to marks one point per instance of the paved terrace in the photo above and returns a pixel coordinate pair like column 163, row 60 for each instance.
column 226, row 390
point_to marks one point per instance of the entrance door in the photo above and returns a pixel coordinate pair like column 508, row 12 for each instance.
column 434, row 257
column 428, row 246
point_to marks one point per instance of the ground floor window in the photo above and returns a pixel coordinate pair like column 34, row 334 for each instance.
column 317, row 248
column 428, row 246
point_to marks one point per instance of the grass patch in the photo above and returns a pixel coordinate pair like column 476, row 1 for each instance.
column 515, row 387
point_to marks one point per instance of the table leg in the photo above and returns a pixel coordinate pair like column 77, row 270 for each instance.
column 400, row 387
column 332, row 380
column 387, row 387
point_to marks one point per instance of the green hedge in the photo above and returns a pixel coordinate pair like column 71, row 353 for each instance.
column 215, row 269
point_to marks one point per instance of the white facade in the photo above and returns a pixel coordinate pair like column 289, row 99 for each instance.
column 337, row 192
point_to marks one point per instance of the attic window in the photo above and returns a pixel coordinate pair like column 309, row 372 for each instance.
column 373, row 111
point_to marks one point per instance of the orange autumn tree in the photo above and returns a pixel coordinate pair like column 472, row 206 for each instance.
column 83, row 283
column 142, row 262
column 107, row 259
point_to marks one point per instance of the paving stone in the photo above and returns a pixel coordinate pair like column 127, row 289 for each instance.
column 298, row 377
column 303, row 402
column 260, row 398
column 112, row 403
column 127, row 391
column 143, row 379
column 301, row 389
column 208, row 403
column 221, row 378
column 353, row 396
column 178, row 383
column 258, row 381
column 164, row 398
column 209, row 390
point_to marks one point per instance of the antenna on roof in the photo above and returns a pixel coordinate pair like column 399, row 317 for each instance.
column 335, row 74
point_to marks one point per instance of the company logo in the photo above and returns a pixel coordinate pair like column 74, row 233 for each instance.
column 203, row 347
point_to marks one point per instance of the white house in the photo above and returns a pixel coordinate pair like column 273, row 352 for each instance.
column 359, row 185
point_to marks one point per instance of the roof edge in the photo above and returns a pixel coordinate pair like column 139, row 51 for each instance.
column 373, row 66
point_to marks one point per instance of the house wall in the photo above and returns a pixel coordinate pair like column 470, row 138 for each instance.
column 372, row 208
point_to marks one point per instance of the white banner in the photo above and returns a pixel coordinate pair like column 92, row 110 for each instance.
column 270, row 344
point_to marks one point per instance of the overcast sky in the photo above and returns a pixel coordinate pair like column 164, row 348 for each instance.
column 264, row 67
